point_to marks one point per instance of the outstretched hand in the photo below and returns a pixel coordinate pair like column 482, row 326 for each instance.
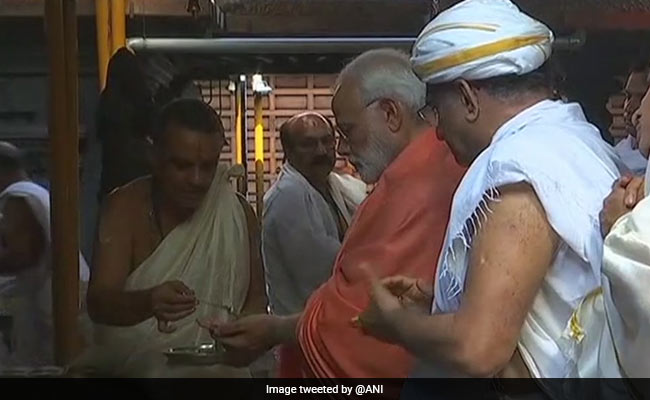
column 389, row 300
column 244, row 339
column 172, row 301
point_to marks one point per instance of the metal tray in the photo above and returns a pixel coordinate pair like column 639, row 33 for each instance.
column 205, row 354
column 39, row 372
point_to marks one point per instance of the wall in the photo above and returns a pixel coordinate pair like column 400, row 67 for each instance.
column 291, row 95
column 24, row 92
column 615, row 109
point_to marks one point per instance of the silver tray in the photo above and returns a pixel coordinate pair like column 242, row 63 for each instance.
column 205, row 354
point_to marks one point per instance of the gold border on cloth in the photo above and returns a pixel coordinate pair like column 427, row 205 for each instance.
column 478, row 52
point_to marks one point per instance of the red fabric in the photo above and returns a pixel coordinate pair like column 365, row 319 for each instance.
column 398, row 230
column 289, row 362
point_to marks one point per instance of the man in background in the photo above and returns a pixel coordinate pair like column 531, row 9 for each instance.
column 306, row 214
column 635, row 88
column 625, row 223
column 27, row 339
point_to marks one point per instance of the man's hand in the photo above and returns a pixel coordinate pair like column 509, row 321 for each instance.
column 247, row 338
column 412, row 293
column 381, row 318
column 257, row 333
column 627, row 192
column 171, row 301
column 634, row 189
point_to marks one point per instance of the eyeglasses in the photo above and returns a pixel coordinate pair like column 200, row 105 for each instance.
column 342, row 138
column 429, row 114
column 341, row 141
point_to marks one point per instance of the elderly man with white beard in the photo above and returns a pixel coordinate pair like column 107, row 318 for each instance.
column 399, row 228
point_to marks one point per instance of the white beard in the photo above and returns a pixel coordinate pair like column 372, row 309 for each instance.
column 379, row 152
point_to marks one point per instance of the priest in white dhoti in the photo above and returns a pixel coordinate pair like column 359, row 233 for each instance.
column 26, row 267
column 306, row 214
column 173, row 250
column 523, row 247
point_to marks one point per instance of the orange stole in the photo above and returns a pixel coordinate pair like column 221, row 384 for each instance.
column 398, row 230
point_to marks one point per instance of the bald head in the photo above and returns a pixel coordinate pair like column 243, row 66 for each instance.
column 308, row 143
column 300, row 124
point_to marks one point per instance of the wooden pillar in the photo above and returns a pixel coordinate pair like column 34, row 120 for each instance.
column 118, row 25
column 61, row 28
column 259, row 155
column 104, row 46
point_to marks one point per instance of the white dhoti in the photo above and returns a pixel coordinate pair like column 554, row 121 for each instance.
column 210, row 254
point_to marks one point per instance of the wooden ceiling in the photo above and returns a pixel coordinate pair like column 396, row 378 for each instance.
column 344, row 17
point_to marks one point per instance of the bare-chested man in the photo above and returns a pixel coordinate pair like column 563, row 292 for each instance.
column 173, row 248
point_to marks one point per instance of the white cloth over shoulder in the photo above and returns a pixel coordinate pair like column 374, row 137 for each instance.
column 210, row 254
column 300, row 239
column 562, row 157
column 480, row 39
column 27, row 297
column 626, row 279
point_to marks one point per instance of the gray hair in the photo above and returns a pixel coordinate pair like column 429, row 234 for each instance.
column 385, row 73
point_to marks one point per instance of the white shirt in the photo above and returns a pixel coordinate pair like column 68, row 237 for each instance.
column 300, row 238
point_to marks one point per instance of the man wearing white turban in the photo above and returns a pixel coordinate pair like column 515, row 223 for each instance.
column 523, row 247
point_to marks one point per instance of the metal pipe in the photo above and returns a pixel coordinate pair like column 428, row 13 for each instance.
column 293, row 45
column 61, row 29
column 118, row 24
column 102, row 17
column 265, row 45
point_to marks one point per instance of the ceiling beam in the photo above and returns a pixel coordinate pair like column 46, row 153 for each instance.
column 327, row 24
column 36, row 8
column 171, row 8
column 300, row 8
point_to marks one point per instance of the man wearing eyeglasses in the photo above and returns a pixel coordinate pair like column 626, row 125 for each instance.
column 398, row 229
column 520, row 268
column 306, row 214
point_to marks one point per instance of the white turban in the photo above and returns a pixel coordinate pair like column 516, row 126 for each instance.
column 480, row 39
